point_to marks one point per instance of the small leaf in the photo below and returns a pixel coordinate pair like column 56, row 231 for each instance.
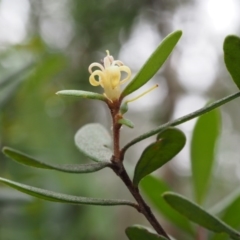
column 126, row 122
column 231, row 49
column 153, row 188
column 169, row 143
column 138, row 232
column 94, row 142
column 198, row 215
column 203, row 146
column 63, row 198
column 70, row 168
column 154, row 63
column 81, row 94
column 124, row 108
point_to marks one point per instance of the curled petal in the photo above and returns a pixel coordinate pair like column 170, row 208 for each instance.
column 95, row 65
column 93, row 80
column 118, row 63
column 128, row 71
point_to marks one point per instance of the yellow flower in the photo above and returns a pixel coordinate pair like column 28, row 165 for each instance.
column 109, row 76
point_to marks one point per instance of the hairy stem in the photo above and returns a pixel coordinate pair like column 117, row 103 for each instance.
column 180, row 120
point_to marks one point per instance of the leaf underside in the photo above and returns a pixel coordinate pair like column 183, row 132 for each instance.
column 62, row 198
column 94, row 142
column 69, row 168
column 138, row 232
column 81, row 94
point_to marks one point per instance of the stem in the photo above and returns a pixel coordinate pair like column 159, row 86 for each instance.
column 143, row 207
column 119, row 169
column 180, row 120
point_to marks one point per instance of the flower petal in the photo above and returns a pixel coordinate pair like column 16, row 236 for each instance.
column 118, row 63
column 95, row 65
column 93, row 80
column 128, row 71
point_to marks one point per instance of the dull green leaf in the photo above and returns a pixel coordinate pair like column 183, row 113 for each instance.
column 154, row 63
column 81, row 94
column 94, row 142
column 138, row 232
column 198, row 215
column 70, row 168
column 63, row 198
column 231, row 48
column 203, row 146
column 169, row 143
column 154, row 188
column 227, row 209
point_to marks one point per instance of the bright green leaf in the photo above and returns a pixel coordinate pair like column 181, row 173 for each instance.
column 70, row 168
column 203, row 146
column 63, row 198
column 153, row 189
column 138, row 232
column 154, row 63
column 198, row 215
column 94, row 141
column 126, row 122
column 169, row 143
column 81, row 94
column 231, row 49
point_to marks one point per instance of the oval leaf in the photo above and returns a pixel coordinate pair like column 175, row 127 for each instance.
column 69, row 168
column 198, row 215
column 203, row 145
column 169, row 143
column 81, row 94
column 153, row 189
column 231, row 48
column 94, row 141
column 154, row 63
column 138, row 232
column 63, row 198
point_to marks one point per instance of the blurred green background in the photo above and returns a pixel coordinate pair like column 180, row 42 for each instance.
column 47, row 46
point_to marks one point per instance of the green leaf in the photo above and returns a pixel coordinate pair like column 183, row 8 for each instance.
column 138, row 232
column 63, row 198
column 154, row 63
column 169, row 143
column 70, row 168
column 203, row 146
column 231, row 48
column 81, row 94
column 228, row 207
column 181, row 120
column 94, row 142
column 153, row 189
column 198, row 215
column 126, row 122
